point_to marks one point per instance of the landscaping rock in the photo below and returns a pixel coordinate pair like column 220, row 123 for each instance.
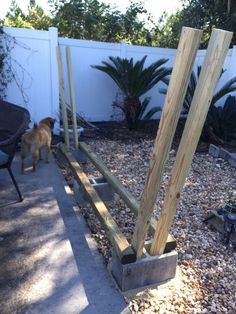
column 206, row 276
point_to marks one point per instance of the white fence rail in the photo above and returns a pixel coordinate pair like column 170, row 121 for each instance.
column 95, row 91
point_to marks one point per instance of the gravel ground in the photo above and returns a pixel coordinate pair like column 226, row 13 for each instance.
column 206, row 275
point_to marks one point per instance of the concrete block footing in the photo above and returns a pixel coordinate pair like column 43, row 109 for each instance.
column 232, row 159
column 219, row 152
column 147, row 271
column 102, row 187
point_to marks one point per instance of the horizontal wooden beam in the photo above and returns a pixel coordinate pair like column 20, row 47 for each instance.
column 126, row 196
column 122, row 246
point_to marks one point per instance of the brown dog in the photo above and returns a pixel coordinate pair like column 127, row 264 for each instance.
column 49, row 122
column 33, row 140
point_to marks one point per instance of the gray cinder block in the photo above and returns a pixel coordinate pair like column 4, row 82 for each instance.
column 219, row 152
column 223, row 153
column 232, row 159
column 214, row 150
column 144, row 272
column 101, row 186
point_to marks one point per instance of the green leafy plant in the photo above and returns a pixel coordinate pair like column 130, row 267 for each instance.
column 134, row 81
column 143, row 113
column 221, row 121
column 215, row 128
column 228, row 87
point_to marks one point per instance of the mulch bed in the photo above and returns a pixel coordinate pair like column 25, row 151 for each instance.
column 118, row 131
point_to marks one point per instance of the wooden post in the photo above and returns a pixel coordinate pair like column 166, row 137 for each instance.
column 72, row 97
column 185, row 56
column 122, row 246
column 126, row 196
column 213, row 63
column 63, row 99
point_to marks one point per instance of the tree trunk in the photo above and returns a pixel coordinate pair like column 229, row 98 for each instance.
column 228, row 7
column 208, row 135
column 132, row 106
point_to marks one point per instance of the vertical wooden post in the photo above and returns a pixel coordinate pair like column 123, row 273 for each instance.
column 55, row 89
column 63, row 98
column 185, row 56
column 213, row 63
column 72, row 97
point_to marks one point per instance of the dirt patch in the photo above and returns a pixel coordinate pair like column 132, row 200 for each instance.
column 118, row 131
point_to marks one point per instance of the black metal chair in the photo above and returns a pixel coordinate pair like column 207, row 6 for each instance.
column 14, row 120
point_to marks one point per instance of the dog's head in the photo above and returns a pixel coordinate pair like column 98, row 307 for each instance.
column 49, row 122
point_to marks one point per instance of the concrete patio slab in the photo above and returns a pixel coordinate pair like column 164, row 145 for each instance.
column 49, row 262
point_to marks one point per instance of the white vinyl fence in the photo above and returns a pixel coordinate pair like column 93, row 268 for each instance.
column 35, row 65
column 95, row 91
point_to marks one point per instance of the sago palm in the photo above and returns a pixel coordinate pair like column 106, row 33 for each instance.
column 221, row 122
column 134, row 81
column 212, row 124
column 228, row 87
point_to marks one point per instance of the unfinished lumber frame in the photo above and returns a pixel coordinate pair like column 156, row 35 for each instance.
column 123, row 248
column 210, row 72
column 72, row 96
column 128, row 271
column 63, row 98
column 125, row 195
column 185, row 56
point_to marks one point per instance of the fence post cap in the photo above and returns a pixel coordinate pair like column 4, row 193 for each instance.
column 52, row 29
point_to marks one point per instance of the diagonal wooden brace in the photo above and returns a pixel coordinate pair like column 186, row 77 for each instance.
column 213, row 63
column 186, row 53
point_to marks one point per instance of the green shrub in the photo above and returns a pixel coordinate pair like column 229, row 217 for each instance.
column 134, row 81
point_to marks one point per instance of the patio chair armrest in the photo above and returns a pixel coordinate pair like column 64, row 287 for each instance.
column 9, row 140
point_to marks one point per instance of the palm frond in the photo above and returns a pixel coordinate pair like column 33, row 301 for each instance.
column 228, row 116
column 163, row 91
column 143, row 107
column 228, row 87
column 151, row 113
